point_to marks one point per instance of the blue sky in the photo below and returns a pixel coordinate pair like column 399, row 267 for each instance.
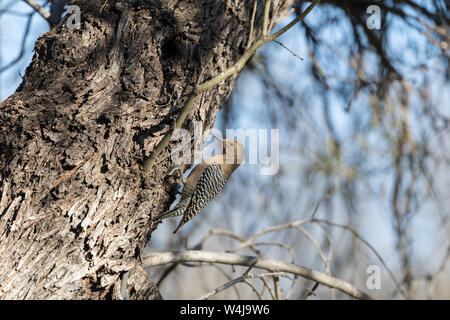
column 12, row 28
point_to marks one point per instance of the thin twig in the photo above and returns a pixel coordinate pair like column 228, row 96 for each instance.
column 356, row 235
column 279, row 244
column 253, row 288
column 39, row 9
column 314, row 242
column 229, row 278
column 330, row 256
column 311, row 291
column 269, row 289
column 249, row 241
column 237, row 280
column 292, row 52
column 221, row 232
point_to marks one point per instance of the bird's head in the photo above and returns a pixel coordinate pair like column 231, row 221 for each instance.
column 233, row 151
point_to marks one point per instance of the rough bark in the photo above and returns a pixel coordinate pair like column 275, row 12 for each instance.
column 75, row 204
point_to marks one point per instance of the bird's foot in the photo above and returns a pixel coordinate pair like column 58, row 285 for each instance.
column 177, row 171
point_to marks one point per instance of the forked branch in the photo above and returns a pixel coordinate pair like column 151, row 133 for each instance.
column 237, row 67
column 162, row 258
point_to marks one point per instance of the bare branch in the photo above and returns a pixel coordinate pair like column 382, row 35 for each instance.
column 250, row 38
column 161, row 258
column 266, row 18
column 290, row 51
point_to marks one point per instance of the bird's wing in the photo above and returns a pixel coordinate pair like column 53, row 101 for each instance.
column 211, row 182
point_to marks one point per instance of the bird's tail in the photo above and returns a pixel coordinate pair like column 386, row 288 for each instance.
column 178, row 210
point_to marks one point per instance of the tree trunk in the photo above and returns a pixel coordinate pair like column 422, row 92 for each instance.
column 75, row 204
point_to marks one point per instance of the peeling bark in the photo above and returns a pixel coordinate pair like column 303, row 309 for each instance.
column 75, row 204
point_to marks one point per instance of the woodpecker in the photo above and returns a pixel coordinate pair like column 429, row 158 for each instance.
column 205, row 181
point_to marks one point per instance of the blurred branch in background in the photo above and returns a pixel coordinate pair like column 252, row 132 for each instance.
column 56, row 10
column 195, row 254
column 22, row 46
column 161, row 258
column 50, row 11
column 39, row 9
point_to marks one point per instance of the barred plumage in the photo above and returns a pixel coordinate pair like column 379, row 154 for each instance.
column 211, row 182
column 205, row 181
